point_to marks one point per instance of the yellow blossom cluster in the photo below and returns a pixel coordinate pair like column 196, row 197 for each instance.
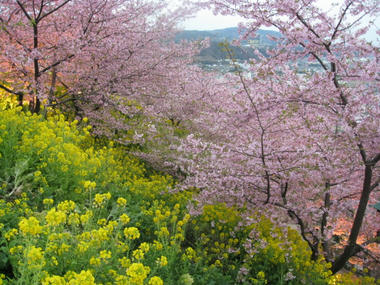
column 121, row 201
column 66, row 156
column 131, row 233
column 85, row 277
column 30, row 226
column 55, row 218
column 34, row 258
column 100, row 199
column 137, row 273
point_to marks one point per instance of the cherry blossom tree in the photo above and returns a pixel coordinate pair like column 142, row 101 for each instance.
column 97, row 57
column 297, row 142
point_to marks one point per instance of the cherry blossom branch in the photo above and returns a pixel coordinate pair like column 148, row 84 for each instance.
column 53, row 10
column 24, row 11
column 56, row 63
column 41, row 9
column 13, row 38
column 340, row 21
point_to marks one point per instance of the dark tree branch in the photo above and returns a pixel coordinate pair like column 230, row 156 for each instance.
column 53, row 10
column 302, row 20
column 292, row 214
column 374, row 185
column 57, row 63
column 62, row 102
column 362, row 152
column 24, row 11
column 313, row 246
column 375, row 160
column 340, row 21
column 41, row 9
column 327, row 205
column 10, row 90
column 351, row 246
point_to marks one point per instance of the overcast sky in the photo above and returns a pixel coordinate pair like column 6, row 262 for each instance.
column 206, row 20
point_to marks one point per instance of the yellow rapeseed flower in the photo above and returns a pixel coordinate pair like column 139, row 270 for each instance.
column 105, row 254
column 55, row 218
column 138, row 254
column 11, row 233
column 84, row 218
column 162, row 261
column 16, row 249
column 163, row 232
column 125, row 262
column 122, row 247
column 131, row 233
column 73, row 219
column 83, row 278
column 66, row 206
column 155, row 280
column 63, row 248
column 121, row 202
column 137, row 273
column 100, row 199
column 30, row 226
column 157, row 245
column 48, row 201
column 124, row 219
column 83, row 246
column 89, row 184
column 54, row 280
column 95, row 261
column 102, row 222
column 144, row 247
column 35, row 258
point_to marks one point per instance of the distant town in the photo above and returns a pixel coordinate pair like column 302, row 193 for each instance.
column 216, row 58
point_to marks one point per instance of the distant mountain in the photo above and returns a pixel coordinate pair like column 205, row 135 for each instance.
column 215, row 52
column 228, row 34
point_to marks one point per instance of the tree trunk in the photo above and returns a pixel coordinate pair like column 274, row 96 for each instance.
column 352, row 247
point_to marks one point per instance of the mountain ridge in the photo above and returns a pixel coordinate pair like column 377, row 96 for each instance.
column 214, row 53
column 227, row 34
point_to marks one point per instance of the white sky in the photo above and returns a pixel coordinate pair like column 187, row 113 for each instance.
column 206, row 20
